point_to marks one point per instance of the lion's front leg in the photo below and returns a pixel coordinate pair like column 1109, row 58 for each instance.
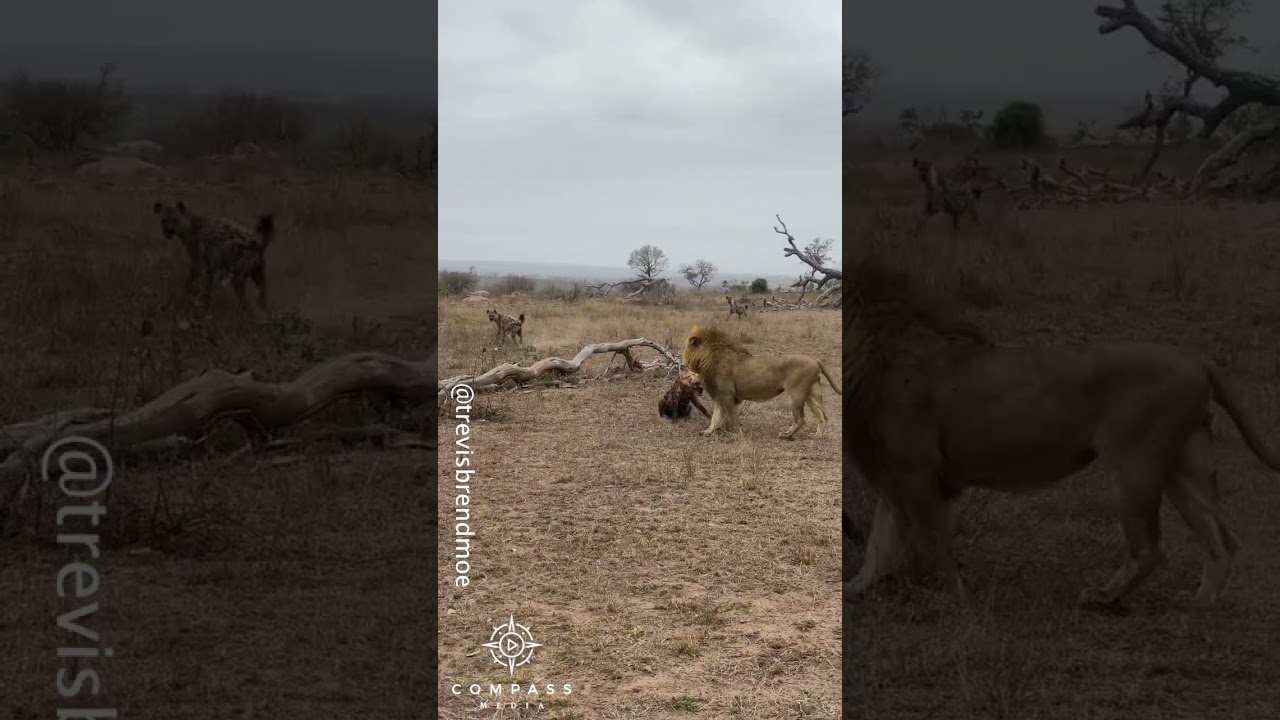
column 717, row 418
column 885, row 551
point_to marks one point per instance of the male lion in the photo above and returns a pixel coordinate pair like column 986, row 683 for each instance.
column 935, row 407
column 731, row 374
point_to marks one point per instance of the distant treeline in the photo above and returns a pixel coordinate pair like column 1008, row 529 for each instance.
column 53, row 115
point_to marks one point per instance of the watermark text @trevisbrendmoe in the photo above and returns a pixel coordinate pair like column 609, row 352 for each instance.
column 463, row 473
column 85, row 472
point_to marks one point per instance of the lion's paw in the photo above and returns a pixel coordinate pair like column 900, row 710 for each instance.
column 1195, row 601
column 1095, row 597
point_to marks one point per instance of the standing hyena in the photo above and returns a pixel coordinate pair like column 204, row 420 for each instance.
column 508, row 325
column 737, row 307
column 220, row 249
column 940, row 196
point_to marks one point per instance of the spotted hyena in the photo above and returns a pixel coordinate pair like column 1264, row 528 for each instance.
column 737, row 307
column 680, row 399
column 220, row 250
column 942, row 196
column 508, row 325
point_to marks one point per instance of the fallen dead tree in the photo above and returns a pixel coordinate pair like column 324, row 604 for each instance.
column 773, row 304
column 560, row 366
column 1084, row 186
column 187, row 414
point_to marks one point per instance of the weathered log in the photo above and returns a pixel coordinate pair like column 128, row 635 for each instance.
column 191, row 408
column 523, row 374
column 1231, row 152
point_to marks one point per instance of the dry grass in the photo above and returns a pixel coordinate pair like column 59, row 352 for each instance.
column 667, row 574
column 258, row 591
column 1201, row 276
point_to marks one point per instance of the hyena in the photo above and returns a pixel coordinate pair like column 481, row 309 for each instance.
column 680, row 399
column 507, row 325
column 220, row 249
column 940, row 196
column 738, row 308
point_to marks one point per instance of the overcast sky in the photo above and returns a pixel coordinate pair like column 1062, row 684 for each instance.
column 378, row 28
column 575, row 132
column 331, row 46
column 1017, row 44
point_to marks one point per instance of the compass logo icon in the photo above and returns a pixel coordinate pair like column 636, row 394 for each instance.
column 511, row 644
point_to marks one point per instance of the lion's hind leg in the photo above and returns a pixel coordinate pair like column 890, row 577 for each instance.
column 1139, row 502
column 800, row 392
column 819, row 412
column 798, row 403
column 1194, row 493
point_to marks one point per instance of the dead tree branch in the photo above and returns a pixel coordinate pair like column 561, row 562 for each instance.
column 1231, row 152
column 830, row 273
column 191, row 408
column 827, row 273
column 188, row 412
column 1188, row 39
column 523, row 374
column 1242, row 86
column 1085, row 186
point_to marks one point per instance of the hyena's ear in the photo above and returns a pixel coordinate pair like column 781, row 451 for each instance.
column 182, row 207
column 157, row 207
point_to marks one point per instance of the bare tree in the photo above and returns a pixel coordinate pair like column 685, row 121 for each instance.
column 698, row 274
column 858, row 75
column 1196, row 34
column 57, row 115
column 649, row 262
column 815, row 255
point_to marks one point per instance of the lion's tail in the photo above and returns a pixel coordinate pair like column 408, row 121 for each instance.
column 1226, row 398
column 823, row 367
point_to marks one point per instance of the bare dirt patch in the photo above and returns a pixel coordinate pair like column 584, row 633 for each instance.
column 666, row 574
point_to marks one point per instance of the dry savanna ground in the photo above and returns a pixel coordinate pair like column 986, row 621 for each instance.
column 233, row 585
column 1200, row 275
column 666, row 574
